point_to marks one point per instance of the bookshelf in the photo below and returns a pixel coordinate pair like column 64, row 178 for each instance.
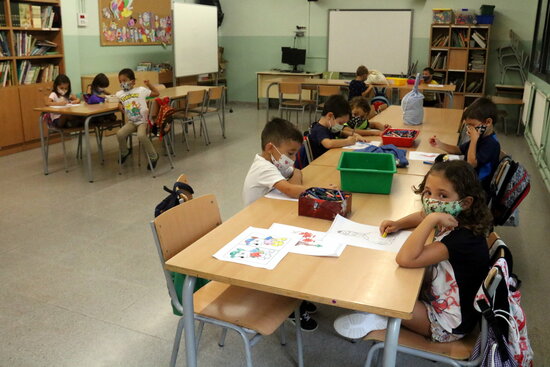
column 459, row 55
column 31, row 56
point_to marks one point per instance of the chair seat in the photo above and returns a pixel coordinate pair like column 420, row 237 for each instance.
column 460, row 349
column 297, row 103
column 183, row 116
column 209, row 109
column 255, row 310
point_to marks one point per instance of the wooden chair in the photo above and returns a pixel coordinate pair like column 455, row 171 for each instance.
column 196, row 101
column 249, row 312
column 297, row 104
column 492, row 238
column 214, row 104
column 323, row 92
column 455, row 353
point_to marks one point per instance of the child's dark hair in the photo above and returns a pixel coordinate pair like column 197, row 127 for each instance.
column 100, row 81
column 481, row 109
column 360, row 102
column 429, row 70
column 62, row 79
column 338, row 105
column 464, row 179
column 278, row 131
column 129, row 73
column 362, row 70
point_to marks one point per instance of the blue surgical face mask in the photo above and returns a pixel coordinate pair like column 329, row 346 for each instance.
column 336, row 128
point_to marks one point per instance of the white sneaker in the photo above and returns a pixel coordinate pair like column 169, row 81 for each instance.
column 357, row 325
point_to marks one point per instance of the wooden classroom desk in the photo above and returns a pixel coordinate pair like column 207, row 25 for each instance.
column 422, row 144
column 360, row 279
column 264, row 78
column 83, row 110
column 445, row 89
column 435, row 119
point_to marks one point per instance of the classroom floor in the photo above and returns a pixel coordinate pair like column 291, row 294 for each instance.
column 82, row 283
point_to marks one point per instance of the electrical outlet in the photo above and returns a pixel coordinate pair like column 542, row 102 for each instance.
column 82, row 19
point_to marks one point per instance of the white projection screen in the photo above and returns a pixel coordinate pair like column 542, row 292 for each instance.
column 195, row 41
column 378, row 39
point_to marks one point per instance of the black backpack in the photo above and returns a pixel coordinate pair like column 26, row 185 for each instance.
column 176, row 197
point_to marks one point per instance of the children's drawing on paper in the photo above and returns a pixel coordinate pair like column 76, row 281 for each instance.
column 311, row 242
column 368, row 236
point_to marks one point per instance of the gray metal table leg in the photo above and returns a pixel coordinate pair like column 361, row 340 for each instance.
column 390, row 345
column 189, row 321
column 267, row 107
column 44, row 157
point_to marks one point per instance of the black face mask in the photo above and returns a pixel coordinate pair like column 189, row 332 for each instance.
column 426, row 78
column 481, row 129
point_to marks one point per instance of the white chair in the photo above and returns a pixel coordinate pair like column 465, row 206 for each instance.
column 240, row 309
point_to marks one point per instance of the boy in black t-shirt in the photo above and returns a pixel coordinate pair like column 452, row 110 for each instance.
column 357, row 87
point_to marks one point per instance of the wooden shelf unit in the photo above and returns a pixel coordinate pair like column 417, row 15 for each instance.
column 18, row 120
column 452, row 51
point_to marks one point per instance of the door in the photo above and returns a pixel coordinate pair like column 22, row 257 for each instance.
column 10, row 117
column 32, row 96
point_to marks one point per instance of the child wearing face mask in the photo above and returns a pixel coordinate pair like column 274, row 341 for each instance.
column 61, row 96
column 134, row 106
column 99, row 85
column 359, row 123
column 483, row 149
column 431, row 99
column 457, row 260
column 324, row 134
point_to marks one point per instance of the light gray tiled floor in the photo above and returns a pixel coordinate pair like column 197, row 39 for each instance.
column 81, row 283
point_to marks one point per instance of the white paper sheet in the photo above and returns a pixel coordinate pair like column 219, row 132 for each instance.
column 258, row 247
column 311, row 242
column 351, row 233
column 429, row 157
column 276, row 194
column 67, row 105
column 362, row 145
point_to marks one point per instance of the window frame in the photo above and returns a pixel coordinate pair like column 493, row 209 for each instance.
column 542, row 70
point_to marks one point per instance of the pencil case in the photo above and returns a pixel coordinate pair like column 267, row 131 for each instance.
column 399, row 137
column 322, row 203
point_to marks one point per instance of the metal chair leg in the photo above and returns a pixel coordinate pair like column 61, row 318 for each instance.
column 177, row 341
column 199, row 334
column 64, row 151
column 299, row 344
column 248, row 353
column 167, row 147
column 282, row 332
column 223, row 334
column 372, row 355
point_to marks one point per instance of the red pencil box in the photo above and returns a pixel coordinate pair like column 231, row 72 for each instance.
column 322, row 203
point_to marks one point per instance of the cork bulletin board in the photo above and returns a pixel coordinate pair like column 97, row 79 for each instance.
column 135, row 22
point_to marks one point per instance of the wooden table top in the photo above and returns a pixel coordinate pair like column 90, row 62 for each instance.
column 181, row 90
column 421, row 86
column 82, row 109
column 360, row 279
column 435, row 119
column 421, row 144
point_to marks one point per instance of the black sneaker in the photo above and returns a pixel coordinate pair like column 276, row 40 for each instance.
column 309, row 307
column 123, row 157
column 153, row 163
column 307, row 324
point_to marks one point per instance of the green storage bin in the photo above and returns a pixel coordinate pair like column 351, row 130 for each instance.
column 367, row 172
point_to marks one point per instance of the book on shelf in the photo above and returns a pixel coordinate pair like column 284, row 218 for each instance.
column 477, row 60
column 25, row 18
column 440, row 41
column 4, row 45
column 435, row 60
column 474, row 86
column 47, row 16
column 36, row 16
column 14, row 11
column 30, row 74
column 3, row 22
column 5, row 73
column 479, row 40
column 458, row 83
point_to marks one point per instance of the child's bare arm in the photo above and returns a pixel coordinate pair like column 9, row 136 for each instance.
column 154, row 90
column 471, row 155
column 415, row 253
column 73, row 99
column 49, row 102
column 339, row 143
column 296, row 177
column 289, row 189
column 451, row 149
column 410, row 221
column 379, row 126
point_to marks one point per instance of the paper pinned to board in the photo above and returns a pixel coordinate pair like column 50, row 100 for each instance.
column 362, row 145
column 430, row 157
column 351, row 233
column 276, row 194
column 258, row 247
column 311, row 242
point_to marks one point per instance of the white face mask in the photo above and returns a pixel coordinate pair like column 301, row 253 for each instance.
column 61, row 92
column 126, row 86
column 336, row 128
column 284, row 164
column 100, row 90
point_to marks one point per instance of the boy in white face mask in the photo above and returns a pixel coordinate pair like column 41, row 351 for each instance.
column 323, row 134
column 274, row 166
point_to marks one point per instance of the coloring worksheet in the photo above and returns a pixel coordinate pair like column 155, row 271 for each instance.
column 259, row 247
column 429, row 157
column 276, row 194
column 311, row 242
column 362, row 235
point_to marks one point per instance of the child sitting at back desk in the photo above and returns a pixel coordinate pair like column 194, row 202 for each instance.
column 359, row 123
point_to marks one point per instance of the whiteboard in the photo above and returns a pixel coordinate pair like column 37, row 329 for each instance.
column 195, row 39
column 378, row 39
column 538, row 118
column 527, row 102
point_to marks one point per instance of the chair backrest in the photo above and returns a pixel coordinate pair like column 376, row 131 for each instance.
column 215, row 93
column 290, row 88
column 492, row 238
column 195, row 98
column 307, row 145
column 182, row 225
column 328, row 90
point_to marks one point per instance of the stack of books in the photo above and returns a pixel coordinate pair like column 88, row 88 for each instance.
column 477, row 60
column 32, row 16
column 440, row 41
column 29, row 74
column 459, row 39
column 28, row 45
column 4, row 45
column 479, row 39
column 3, row 22
column 439, row 61
column 5, row 73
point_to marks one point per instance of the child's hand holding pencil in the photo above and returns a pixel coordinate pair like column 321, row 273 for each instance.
column 387, row 227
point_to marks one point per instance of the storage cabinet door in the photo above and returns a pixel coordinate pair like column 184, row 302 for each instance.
column 11, row 128
column 32, row 96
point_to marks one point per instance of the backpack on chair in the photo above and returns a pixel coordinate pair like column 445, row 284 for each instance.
column 163, row 123
column 178, row 195
column 509, row 186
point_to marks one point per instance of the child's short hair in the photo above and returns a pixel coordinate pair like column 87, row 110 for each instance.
column 278, row 131
column 360, row 102
column 338, row 105
column 129, row 73
column 481, row 109
column 362, row 70
column 100, row 81
column 465, row 182
column 429, row 70
column 61, row 79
